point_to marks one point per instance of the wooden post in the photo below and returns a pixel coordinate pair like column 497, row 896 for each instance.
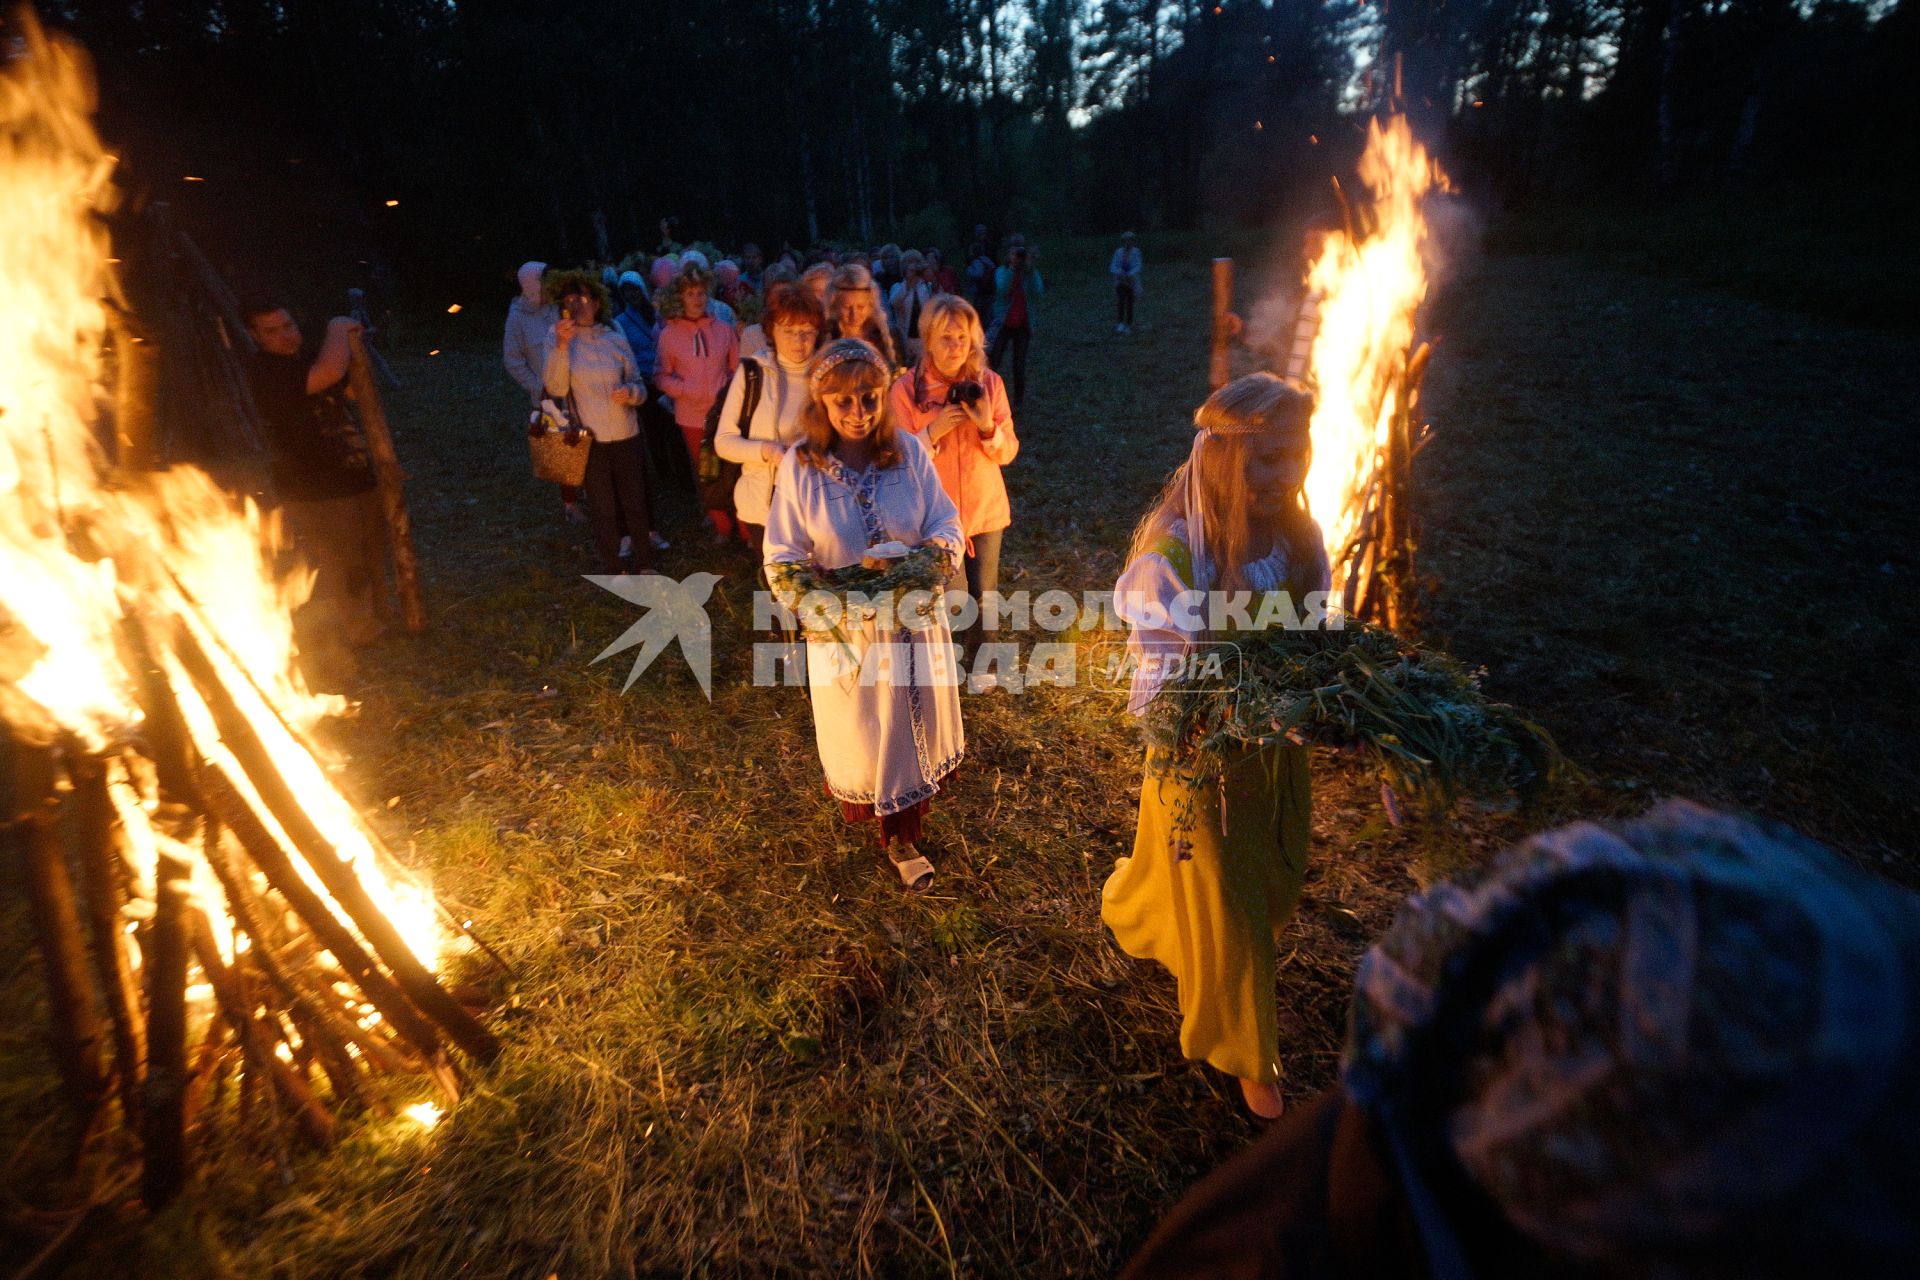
column 1219, row 367
column 166, row 729
column 393, row 496
column 1401, row 540
column 136, row 393
column 163, row 1120
column 101, row 840
column 32, row 816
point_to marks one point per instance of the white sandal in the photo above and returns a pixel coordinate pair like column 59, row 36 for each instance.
column 916, row 872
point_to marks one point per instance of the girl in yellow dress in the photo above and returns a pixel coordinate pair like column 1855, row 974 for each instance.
column 1218, row 859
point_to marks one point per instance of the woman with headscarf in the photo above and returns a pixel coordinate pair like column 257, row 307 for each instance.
column 1679, row 1046
column 523, row 347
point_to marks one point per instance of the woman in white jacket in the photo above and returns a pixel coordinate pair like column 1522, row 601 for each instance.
column 760, row 416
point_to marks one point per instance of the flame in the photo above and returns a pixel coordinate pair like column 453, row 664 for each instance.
column 80, row 550
column 1369, row 282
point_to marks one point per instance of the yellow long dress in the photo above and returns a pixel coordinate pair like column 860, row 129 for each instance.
column 1214, row 876
column 1209, row 907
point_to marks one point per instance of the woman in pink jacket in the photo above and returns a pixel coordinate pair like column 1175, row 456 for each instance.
column 697, row 358
column 957, row 405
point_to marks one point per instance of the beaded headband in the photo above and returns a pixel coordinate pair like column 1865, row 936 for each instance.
column 839, row 355
column 1299, row 419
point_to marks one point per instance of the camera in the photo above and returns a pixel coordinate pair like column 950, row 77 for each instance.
column 965, row 393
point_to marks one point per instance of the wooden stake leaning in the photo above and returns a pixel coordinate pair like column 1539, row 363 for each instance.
column 163, row 1121
column 392, row 481
column 75, row 1030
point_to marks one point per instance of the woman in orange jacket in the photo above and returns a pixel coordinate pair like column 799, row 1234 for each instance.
column 957, row 405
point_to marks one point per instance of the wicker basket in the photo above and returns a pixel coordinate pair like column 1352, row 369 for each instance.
column 556, row 461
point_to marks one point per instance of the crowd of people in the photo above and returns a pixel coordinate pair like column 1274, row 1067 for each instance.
column 815, row 405
column 675, row 362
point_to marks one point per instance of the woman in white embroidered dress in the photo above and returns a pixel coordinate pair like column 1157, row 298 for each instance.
column 886, row 698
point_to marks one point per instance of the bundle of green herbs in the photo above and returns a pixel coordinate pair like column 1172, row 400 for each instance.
column 1419, row 713
column 822, row 599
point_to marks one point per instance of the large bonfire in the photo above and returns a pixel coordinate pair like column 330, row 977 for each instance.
column 1365, row 286
column 233, row 910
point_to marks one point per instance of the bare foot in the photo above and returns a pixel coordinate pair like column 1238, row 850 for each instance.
column 1264, row 1100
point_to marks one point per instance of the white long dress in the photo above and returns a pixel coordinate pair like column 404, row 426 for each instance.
column 886, row 703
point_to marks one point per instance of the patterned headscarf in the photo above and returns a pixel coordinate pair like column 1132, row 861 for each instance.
column 1683, row 1046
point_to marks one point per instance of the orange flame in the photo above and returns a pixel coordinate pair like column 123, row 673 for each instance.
column 76, row 551
column 1369, row 282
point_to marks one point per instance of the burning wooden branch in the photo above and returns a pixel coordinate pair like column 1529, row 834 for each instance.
column 276, row 883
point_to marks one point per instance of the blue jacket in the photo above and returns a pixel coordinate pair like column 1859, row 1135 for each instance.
column 644, row 338
column 1003, row 292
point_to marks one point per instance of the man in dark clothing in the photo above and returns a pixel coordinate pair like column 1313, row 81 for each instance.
column 330, row 509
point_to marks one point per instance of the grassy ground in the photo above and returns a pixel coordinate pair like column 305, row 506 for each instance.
column 1666, row 520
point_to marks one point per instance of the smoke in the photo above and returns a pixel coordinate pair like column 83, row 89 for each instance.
column 1454, row 237
column 1279, row 286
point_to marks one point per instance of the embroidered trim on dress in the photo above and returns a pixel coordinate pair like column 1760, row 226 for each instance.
column 862, row 487
column 907, row 799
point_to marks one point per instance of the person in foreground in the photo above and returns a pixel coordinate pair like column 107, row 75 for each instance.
column 885, row 691
column 1218, row 861
column 1685, row 1046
